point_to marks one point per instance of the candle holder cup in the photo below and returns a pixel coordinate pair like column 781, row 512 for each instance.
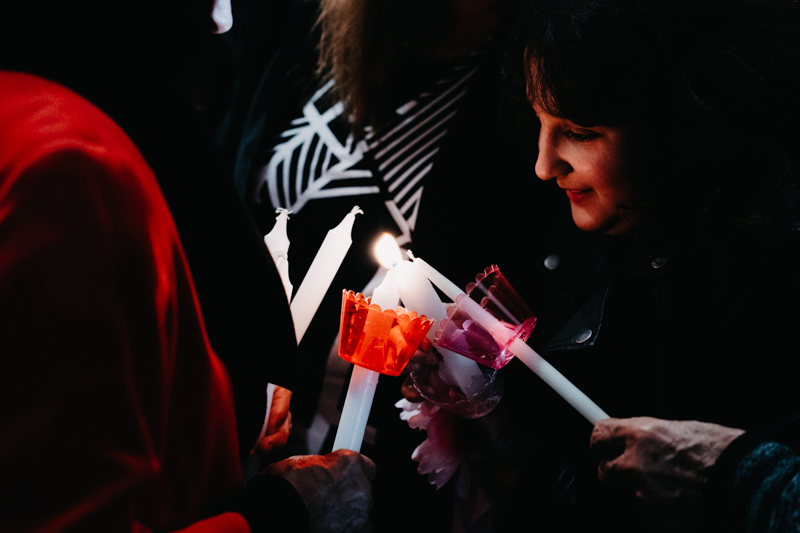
column 462, row 333
column 428, row 382
column 376, row 339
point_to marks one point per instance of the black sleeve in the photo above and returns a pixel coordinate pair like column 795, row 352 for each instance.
column 755, row 487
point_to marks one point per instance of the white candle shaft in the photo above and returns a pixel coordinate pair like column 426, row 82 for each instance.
column 445, row 285
column 385, row 295
column 320, row 274
column 277, row 240
column 361, row 390
column 278, row 245
column 419, row 295
column 574, row 396
column 283, row 270
column 355, row 412
column 522, row 351
column 555, row 379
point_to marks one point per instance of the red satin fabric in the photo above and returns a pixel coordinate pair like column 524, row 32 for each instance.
column 115, row 414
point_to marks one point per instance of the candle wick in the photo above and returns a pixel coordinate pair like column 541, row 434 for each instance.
column 410, row 255
column 356, row 211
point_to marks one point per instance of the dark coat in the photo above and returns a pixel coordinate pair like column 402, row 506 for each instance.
column 703, row 333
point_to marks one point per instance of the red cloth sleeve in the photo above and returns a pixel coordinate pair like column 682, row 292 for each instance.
column 116, row 415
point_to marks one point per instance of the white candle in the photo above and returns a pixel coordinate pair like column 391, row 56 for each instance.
column 555, row 379
column 278, row 245
column 361, row 390
column 574, row 396
column 385, row 295
column 355, row 412
column 321, row 273
column 445, row 285
column 566, row 389
column 419, row 295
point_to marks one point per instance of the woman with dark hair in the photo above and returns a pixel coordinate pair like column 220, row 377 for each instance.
column 669, row 126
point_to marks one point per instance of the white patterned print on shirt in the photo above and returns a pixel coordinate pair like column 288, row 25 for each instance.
column 313, row 163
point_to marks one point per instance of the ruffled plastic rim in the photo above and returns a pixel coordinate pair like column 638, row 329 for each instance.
column 399, row 312
column 525, row 328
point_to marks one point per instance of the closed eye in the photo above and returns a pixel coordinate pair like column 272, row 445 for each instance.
column 581, row 137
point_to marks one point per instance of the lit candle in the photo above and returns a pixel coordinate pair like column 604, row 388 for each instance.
column 418, row 295
column 321, row 273
column 361, row 391
column 363, row 381
column 574, row 396
column 278, row 245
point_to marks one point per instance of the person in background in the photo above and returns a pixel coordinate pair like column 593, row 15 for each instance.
column 117, row 412
column 399, row 108
column 669, row 128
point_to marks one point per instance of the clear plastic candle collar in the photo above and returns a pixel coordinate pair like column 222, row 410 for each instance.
column 464, row 335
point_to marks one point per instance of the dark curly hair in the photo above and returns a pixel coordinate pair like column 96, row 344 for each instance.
column 711, row 83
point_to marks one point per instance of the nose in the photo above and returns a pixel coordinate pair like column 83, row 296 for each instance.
column 550, row 164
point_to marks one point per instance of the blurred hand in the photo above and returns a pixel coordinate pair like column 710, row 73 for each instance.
column 336, row 488
column 665, row 463
column 279, row 423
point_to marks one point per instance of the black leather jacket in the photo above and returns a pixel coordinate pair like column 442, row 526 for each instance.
column 703, row 333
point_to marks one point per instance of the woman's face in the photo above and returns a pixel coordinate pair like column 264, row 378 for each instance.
column 594, row 168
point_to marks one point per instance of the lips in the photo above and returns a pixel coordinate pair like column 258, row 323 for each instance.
column 577, row 195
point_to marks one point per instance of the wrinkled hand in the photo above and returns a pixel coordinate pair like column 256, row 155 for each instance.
column 336, row 489
column 279, row 423
column 665, row 463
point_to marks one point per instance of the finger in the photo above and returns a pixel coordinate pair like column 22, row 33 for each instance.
column 615, row 473
column 281, row 402
column 284, row 428
column 608, row 438
column 282, row 467
column 276, row 439
column 278, row 421
column 367, row 466
column 370, row 470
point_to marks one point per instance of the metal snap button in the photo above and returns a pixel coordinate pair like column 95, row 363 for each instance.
column 551, row 262
column 583, row 336
column 659, row 262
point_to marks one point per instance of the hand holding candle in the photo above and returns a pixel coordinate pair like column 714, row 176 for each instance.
column 317, row 280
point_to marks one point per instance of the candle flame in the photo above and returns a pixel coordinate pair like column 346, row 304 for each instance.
column 387, row 251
